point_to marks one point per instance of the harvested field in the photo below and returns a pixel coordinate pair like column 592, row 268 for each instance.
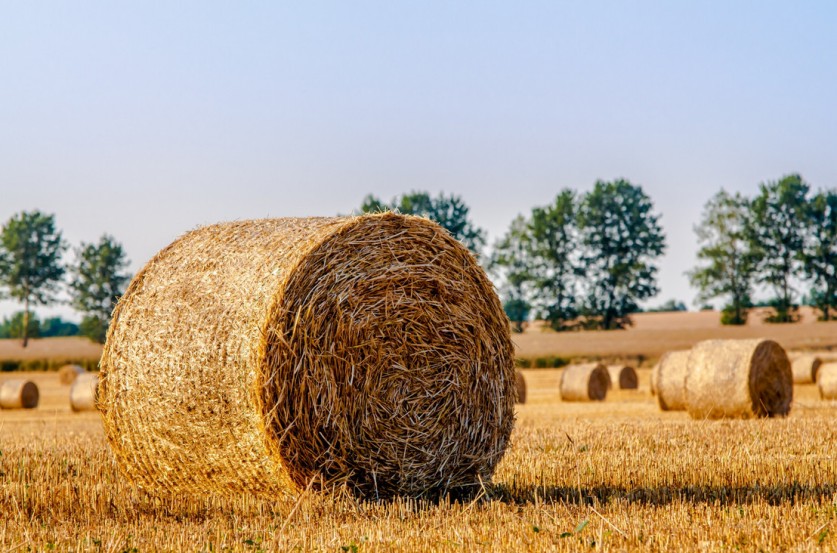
column 614, row 475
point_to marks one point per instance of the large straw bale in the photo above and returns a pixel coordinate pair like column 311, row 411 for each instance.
column 805, row 367
column 670, row 380
column 738, row 379
column 584, row 382
column 83, row 392
column 520, row 386
column 623, row 377
column 269, row 355
column 19, row 394
column 827, row 381
column 68, row 373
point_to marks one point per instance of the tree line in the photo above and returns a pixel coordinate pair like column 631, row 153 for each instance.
column 33, row 272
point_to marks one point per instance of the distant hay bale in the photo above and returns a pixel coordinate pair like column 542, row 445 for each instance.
column 68, row 373
column 586, row 382
column 520, row 386
column 805, row 368
column 827, row 381
column 623, row 377
column 83, row 392
column 269, row 355
column 738, row 379
column 670, row 380
column 19, row 394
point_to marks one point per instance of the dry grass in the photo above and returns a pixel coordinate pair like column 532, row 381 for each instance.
column 51, row 348
column 617, row 475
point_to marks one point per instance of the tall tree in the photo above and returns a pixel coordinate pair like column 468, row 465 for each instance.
column 621, row 239
column 30, row 261
column 728, row 266
column 448, row 210
column 555, row 268
column 777, row 236
column 511, row 262
column 819, row 255
column 97, row 280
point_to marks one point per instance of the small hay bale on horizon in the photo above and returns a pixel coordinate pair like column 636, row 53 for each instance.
column 738, row 379
column 83, row 392
column 805, row 368
column 827, row 381
column 19, row 394
column 68, row 373
column 520, row 386
column 623, row 377
column 670, row 380
column 368, row 353
column 584, row 382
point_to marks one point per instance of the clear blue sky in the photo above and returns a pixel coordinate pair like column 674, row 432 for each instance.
column 146, row 119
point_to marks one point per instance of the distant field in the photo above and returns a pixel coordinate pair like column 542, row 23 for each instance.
column 50, row 348
column 618, row 475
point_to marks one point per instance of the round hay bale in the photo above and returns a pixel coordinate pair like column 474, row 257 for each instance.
column 83, row 392
column 585, row 382
column 520, row 386
column 670, row 380
column 827, row 381
column 68, row 373
column 623, row 377
column 738, row 379
column 805, row 368
column 269, row 355
column 19, row 394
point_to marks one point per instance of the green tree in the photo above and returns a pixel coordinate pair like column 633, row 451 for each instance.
column 511, row 261
column 449, row 211
column 621, row 239
column 30, row 261
column 554, row 267
column 13, row 327
column 727, row 266
column 777, row 229
column 97, row 280
column 56, row 326
column 819, row 255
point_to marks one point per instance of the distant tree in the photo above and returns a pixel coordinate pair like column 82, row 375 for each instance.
column 554, row 260
column 447, row 210
column 30, row 261
column 728, row 265
column 777, row 228
column 621, row 239
column 13, row 327
column 819, row 254
column 56, row 326
column 511, row 262
column 668, row 306
column 97, row 280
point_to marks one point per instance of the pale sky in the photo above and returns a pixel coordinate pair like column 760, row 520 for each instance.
column 144, row 120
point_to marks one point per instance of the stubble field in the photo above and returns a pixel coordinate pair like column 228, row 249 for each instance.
column 612, row 476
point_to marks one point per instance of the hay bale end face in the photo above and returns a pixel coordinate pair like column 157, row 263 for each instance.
column 827, row 381
column 83, row 392
column 68, row 374
column 265, row 356
column 19, row 394
column 623, row 377
column 738, row 379
column 585, row 382
column 520, row 386
column 670, row 380
column 805, row 368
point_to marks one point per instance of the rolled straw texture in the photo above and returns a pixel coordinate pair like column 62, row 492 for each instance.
column 670, row 380
column 68, row 373
column 738, row 379
column 269, row 355
column 83, row 392
column 19, row 394
column 827, row 381
column 520, row 386
column 805, row 368
column 623, row 377
column 585, row 382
